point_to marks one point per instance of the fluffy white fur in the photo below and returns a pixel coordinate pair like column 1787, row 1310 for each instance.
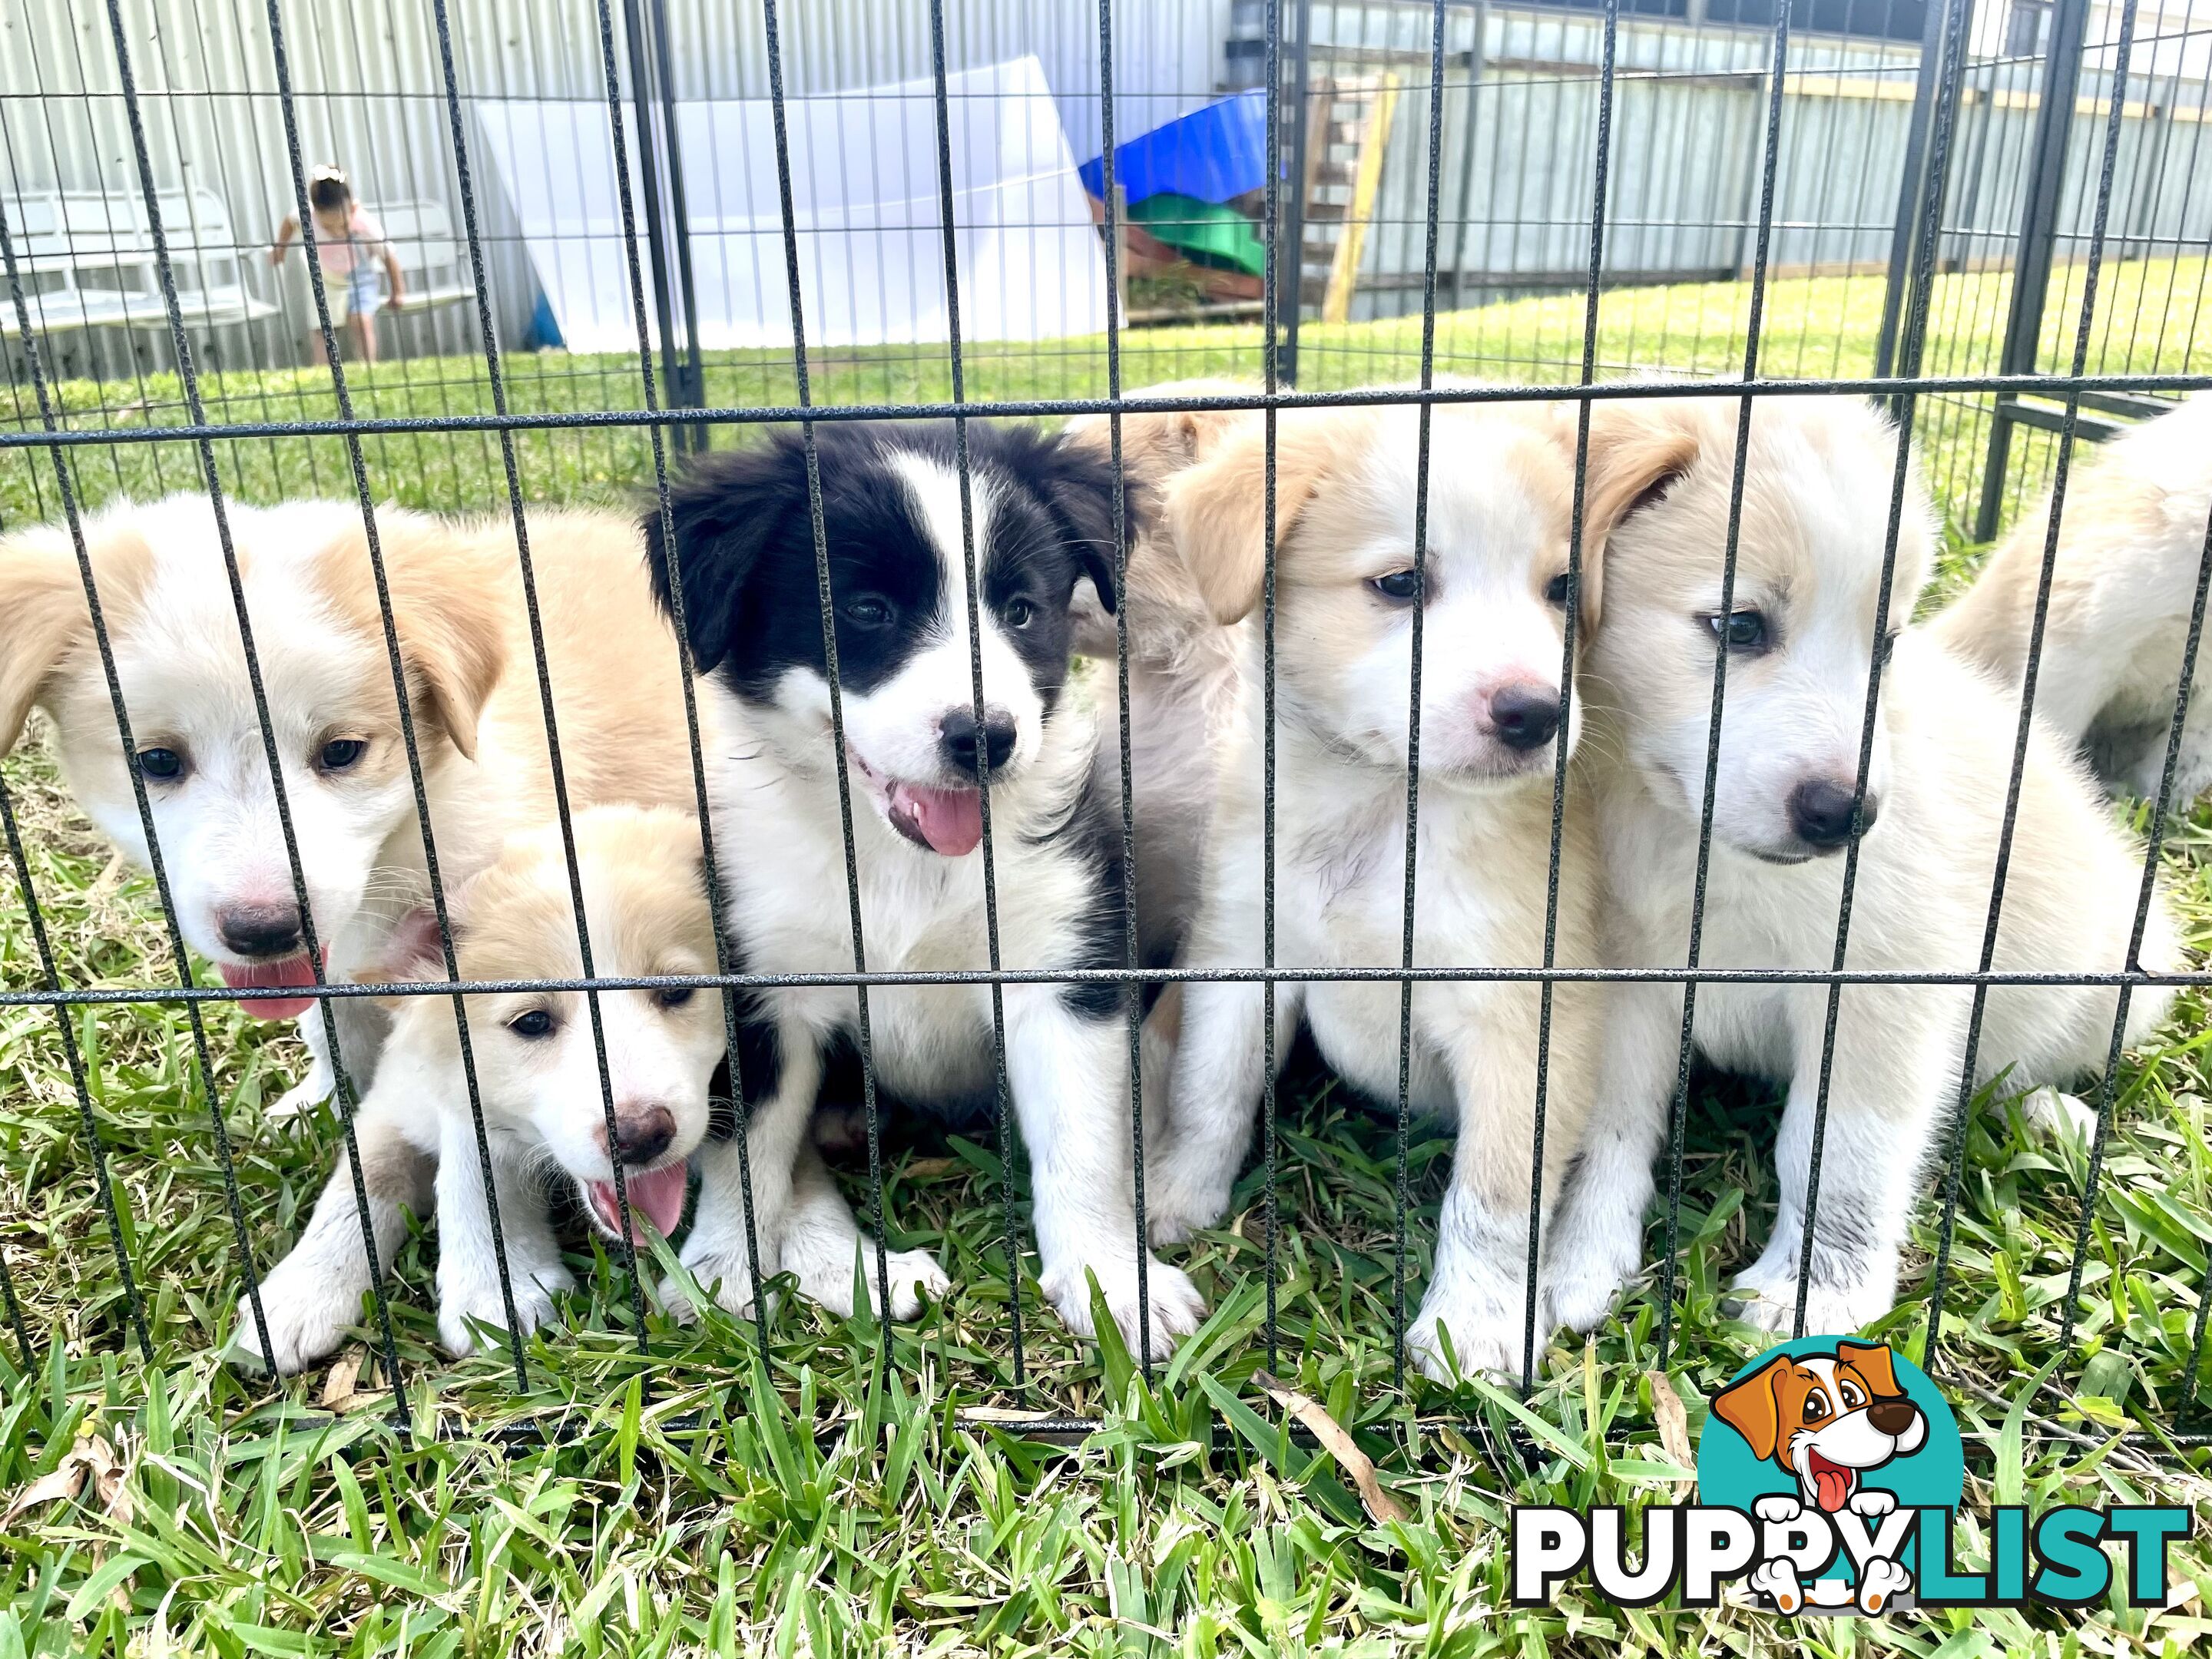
column 1817, row 488
column 2130, row 545
column 1498, row 543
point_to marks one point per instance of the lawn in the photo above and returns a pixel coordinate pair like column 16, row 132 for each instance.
column 662, row 1491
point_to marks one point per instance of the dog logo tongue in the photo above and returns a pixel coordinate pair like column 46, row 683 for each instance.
column 947, row 821
column 1832, row 1482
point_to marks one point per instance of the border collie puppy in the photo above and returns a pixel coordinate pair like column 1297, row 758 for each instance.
column 896, row 528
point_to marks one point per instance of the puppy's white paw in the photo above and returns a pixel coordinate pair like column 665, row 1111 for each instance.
column 2050, row 1112
column 725, row 1276
column 1778, row 1582
column 460, row 1312
column 309, row 1092
column 310, row 1313
column 1174, row 1303
column 1844, row 1295
column 1872, row 1501
column 1777, row 1507
column 1487, row 1330
column 1881, row 1582
column 1178, row 1200
column 915, row 1277
column 1585, row 1269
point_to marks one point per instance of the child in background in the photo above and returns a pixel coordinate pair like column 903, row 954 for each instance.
column 350, row 244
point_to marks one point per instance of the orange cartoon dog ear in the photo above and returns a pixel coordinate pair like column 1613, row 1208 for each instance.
column 1751, row 1407
column 1873, row 1361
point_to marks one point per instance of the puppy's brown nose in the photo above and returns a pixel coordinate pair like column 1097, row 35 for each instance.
column 642, row 1133
column 259, row 931
column 1892, row 1417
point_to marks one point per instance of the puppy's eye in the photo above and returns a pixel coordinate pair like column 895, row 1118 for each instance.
column 1889, row 645
column 1852, row 1398
column 674, row 996
column 1743, row 630
column 1019, row 613
column 866, row 613
column 1555, row 591
column 1400, row 585
column 1816, row 1406
column 340, row 753
column 531, row 1024
column 160, row 765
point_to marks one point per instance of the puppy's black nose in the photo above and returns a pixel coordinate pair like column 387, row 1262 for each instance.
column 1820, row 812
column 1892, row 1417
column 956, row 737
column 259, row 930
column 1525, row 715
column 642, row 1133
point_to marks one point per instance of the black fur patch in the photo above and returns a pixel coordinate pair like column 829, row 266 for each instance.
column 744, row 543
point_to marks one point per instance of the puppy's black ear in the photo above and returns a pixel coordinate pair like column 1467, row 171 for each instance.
column 1076, row 481
column 725, row 510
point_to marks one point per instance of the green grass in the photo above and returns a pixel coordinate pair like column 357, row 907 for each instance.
column 702, row 1496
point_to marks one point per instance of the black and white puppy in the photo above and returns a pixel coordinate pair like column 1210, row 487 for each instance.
column 1042, row 521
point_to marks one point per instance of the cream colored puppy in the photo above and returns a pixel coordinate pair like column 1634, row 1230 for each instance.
column 544, row 1116
column 463, row 640
column 1494, row 604
column 1801, row 634
column 2131, row 544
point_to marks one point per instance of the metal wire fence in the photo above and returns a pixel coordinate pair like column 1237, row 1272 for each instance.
column 2038, row 283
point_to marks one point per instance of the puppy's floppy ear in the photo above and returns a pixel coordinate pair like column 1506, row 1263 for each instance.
column 43, row 618
column 1216, row 509
column 415, row 952
column 1753, row 1408
column 1075, row 480
column 450, row 618
column 725, row 509
column 1637, row 450
column 1873, row 1361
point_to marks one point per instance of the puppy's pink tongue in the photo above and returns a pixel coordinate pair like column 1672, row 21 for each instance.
column 1833, row 1485
column 292, row 970
column 948, row 821
column 655, row 1195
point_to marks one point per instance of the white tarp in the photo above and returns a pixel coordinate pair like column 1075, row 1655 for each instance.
column 865, row 197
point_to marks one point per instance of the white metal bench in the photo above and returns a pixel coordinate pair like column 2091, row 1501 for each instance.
column 436, row 264
column 88, row 261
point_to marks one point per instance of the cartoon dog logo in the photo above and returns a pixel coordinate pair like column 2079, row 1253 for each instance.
column 1827, row 1420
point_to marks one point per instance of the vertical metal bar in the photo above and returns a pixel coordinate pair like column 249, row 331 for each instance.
column 825, row 599
column 1911, row 185
column 691, row 382
column 1602, row 172
column 656, row 205
column 342, row 390
column 1271, row 367
column 1476, row 56
column 2038, row 238
column 1132, row 993
column 2062, row 472
column 1424, row 421
column 1293, row 228
column 974, row 625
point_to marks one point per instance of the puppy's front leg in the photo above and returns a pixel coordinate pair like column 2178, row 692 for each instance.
column 314, row 1295
column 1594, row 1242
column 1898, row 1049
column 1478, row 1289
column 717, row 1253
column 468, row 1253
column 822, row 1242
column 1068, row 1072
column 321, row 1080
column 1192, row 1159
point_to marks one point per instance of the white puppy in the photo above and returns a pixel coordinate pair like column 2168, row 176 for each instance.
column 1494, row 598
column 1801, row 634
column 545, row 1116
column 2131, row 544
